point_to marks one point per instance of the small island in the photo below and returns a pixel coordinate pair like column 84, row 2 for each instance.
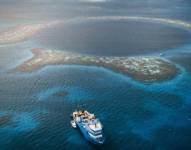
column 144, row 69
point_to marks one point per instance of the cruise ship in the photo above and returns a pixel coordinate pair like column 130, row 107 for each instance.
column 89, row 125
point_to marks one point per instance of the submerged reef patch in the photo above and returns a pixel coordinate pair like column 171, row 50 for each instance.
column 5, row 120
column 70, row 93
column 18, row 122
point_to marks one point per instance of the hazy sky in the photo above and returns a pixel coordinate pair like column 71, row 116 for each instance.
column 55, row 9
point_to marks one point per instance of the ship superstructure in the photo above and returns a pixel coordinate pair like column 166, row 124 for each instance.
column 89, row 125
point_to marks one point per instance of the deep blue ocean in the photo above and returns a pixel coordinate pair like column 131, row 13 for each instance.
column 135, row 115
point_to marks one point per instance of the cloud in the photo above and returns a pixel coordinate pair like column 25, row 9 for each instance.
column 94, row 1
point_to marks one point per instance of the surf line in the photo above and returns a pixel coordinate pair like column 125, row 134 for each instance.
column 178, row 23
